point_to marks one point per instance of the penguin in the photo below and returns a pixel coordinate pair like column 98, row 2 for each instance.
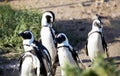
column 38, row 50
column 96, row 43
column 66, row 54
column 47, row 34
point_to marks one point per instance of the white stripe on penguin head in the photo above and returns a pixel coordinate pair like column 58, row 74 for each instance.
column 44, row 19
column 95, row 27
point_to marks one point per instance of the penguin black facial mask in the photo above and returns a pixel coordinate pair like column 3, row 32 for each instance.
column 48, row 19
column 60, row 39
column 52, row 15
column 25, row 35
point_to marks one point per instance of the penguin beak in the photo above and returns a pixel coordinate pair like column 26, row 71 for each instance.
column 20, row 34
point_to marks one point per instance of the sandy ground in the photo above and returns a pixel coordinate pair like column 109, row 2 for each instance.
column 74, row 18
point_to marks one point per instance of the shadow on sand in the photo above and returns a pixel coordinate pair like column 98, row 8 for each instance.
column 77, row 31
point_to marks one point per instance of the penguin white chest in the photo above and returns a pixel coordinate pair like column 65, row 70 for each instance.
column 47, row 41
column 94, row 45
column 65, row 57
column 45, row 33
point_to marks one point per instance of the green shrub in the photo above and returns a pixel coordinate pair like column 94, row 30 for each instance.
column 100, row 67
column 13, row 21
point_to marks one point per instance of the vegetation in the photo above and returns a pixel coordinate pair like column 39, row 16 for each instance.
column 100, row 67
column 13, row 21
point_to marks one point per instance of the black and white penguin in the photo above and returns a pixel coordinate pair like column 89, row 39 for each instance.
column 36, row 49
column 96, row 43
column 66, row 54
column 47, row 33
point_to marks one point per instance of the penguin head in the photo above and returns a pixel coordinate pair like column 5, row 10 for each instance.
column 98, row 21
column 27, row 35
column 48, row 18
column 97, row 24
column 62, row 39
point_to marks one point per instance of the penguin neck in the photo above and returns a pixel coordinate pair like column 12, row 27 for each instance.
column 28, row 45
column 63, row 44
column 44, row 23
column 96, row 29
column 27, row 41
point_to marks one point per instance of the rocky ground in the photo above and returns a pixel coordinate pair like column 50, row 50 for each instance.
column 74, row 17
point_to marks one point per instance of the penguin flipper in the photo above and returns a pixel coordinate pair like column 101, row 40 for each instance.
column 74, row 54
column 86, row 47
column 105, row 46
